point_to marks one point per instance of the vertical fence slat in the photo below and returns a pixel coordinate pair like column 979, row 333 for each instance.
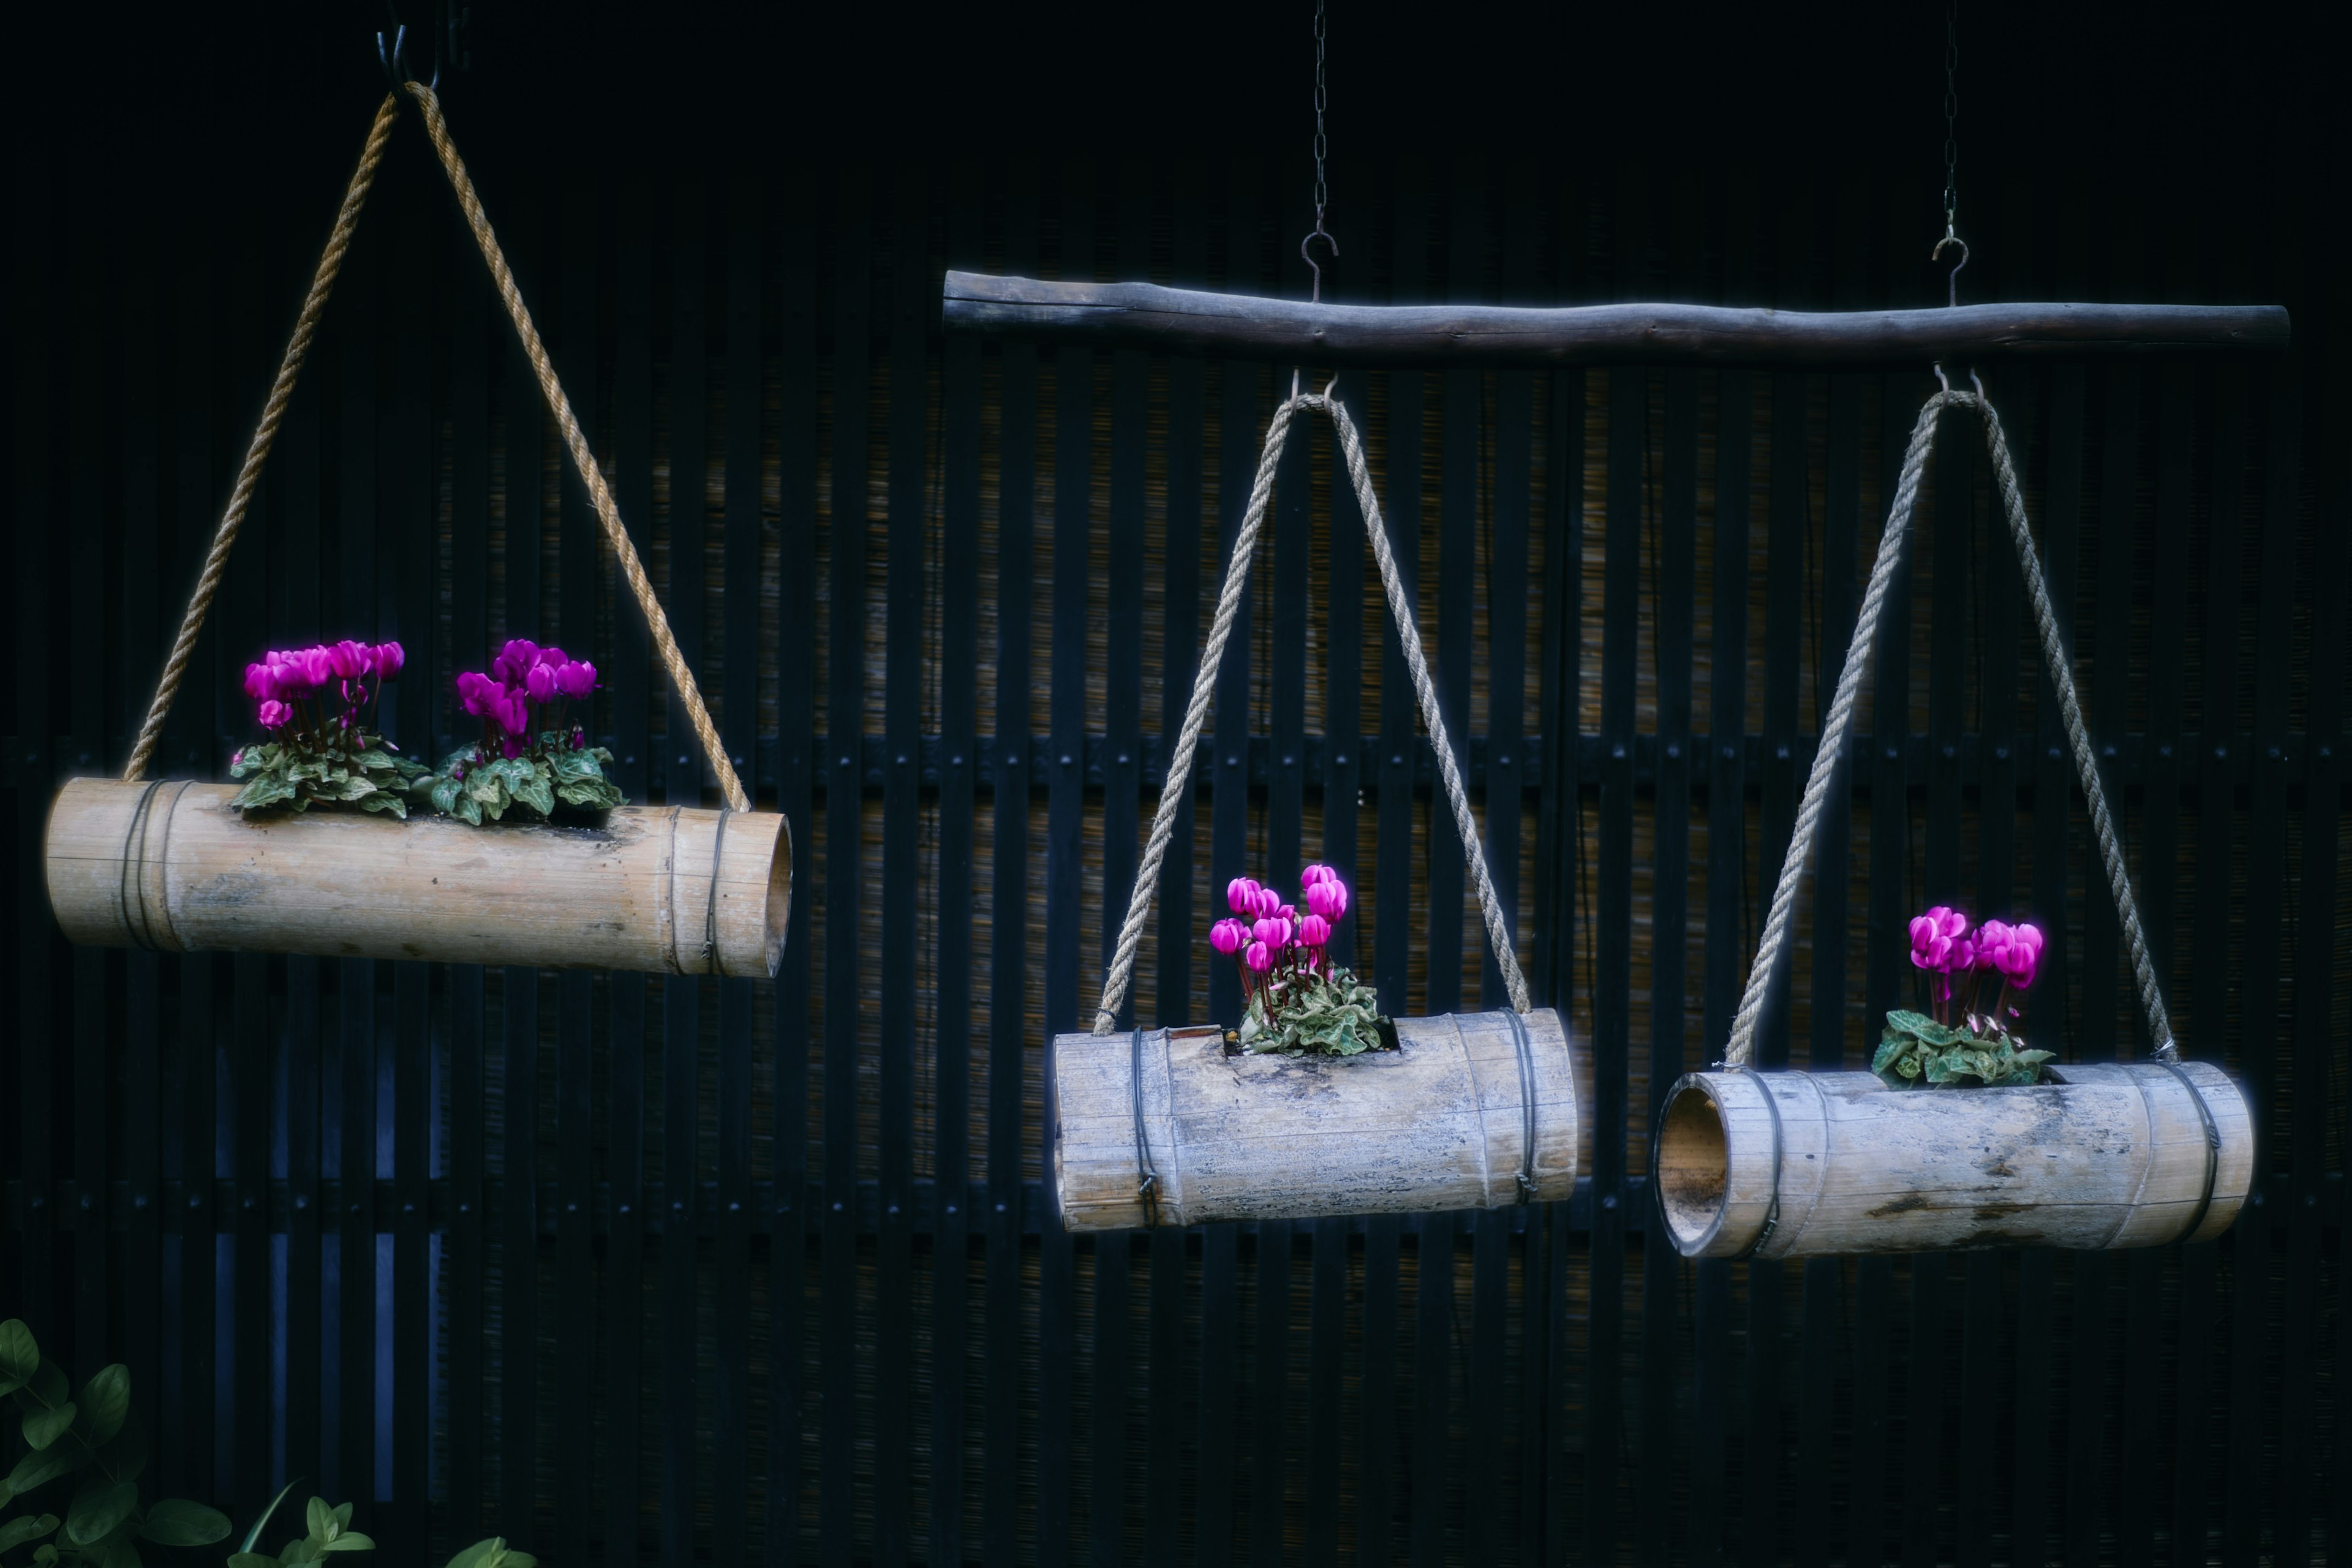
column 518, row 1324
column 901, row 862
column 1122, row 770
column 1179, row 663
column 1009, row 873
column 843, row 860
column 465, row 311
column 684, row 772
column 2251, row 1245
column 2197, row 1421
column 1727, row 919
column 622, row 1346
column 1066, row 910
column 1663, row 1271
column 959, row 660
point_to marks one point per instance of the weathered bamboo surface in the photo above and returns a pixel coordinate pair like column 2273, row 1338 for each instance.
column 171, row 866
column 2116, row 1156
column 1183, row 321
column 1438, row 1123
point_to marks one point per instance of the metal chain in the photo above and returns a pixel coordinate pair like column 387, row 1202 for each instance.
column 1322, row 100
column 1952, row 118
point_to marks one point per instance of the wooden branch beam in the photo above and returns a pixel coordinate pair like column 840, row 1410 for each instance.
column 1144, row 315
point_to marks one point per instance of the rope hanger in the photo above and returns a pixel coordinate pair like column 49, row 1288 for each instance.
column 273, row 414
column 1176, row 793
column 1773, row 949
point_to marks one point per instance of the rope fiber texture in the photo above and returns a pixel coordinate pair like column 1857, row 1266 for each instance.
column 1176, row 793
column 256, row 452
column 600, row 492
column 1772, row 952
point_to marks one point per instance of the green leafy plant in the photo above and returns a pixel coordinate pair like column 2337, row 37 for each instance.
column 1916, row 1051
column 529, row 759
column 328, row 1530
column 1299, row 1002
column 314, row 702
column 86, row 1451
column 493, row 1553
column 530, row 785
column 1976, row 981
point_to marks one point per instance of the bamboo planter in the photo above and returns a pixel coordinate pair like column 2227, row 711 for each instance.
column 171, row 866
column 1438, row 1123
column 2111, row 1156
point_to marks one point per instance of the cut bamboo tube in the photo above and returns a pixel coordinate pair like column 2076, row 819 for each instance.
column 172, row 865
column 1438, row 1123
column 2111, row 1155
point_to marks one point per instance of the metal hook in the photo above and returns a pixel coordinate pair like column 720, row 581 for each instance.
column 1941, row 380
column 395, row 58
column 1316, row 298
column 1952, row 296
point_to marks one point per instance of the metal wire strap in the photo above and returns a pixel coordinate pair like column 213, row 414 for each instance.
column 2213, row 1146
column 1526, row 1107
column 273, row 414
column 1147, row 1184
column 1773, row 949
column 1176, row 793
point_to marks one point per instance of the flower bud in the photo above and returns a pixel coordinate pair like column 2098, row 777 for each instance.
column 1225, row 936
column 1315, row 930
column 1241, row 895
column 274, row 715
column 1259, row 957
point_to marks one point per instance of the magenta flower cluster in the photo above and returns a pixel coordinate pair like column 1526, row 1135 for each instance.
column 523, row 695
column 318, row 693
column 1959, row 961
column 1268, row 937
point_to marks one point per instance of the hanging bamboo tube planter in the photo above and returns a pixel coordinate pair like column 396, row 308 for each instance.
column 2098, row 1155
column 173, row 865
column 1175, row 1126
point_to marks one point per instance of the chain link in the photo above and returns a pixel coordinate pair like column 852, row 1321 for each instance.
column 1322, row 99
column 1951, row 117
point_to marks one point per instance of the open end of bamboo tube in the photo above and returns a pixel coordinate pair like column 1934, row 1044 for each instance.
column 780, row 896
column 1694, row 1167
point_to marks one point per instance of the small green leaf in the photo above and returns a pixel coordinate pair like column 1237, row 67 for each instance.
column 45, row 1555
column 384, row 800
column 38, row 1469
column 26, row 1527
column 268, row 789
column 20, row 1357
column 251, row 1560
column 175, row 1521
column 350, row 1541
column 105, row 1401
column 43, row 1428
column 118, row 1551
column 98, row 1507
column 253, row 1536
column 470, row 810
column 534, row 792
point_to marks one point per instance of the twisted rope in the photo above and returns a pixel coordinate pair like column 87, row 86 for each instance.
column 600, row 494
column 256, row 452
column 1177, row 792
column 1773, row 949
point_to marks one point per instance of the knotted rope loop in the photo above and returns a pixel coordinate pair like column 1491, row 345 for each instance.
column 1176, row 793
column 1772, row 950
column 600, row 492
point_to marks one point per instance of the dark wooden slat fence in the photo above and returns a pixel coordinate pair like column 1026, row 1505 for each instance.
column 725, row 1271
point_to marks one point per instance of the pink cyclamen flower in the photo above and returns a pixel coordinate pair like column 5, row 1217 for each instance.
column 1226, row 936
column 579, row 738
column 1315, row 930
column 1273, row 931
column 1241, row 895
column 350, row 660
column 274, row 715
column 317, row 666
column 1287, row 913
column 577, row 679
column 519, row 655
column 389, row 658
column 512, row 714
column 260, row 683
column 1269, row 903
column 1259, row 957
column 2019, row 959
column 553, row 657
column 1933, row 936
column 476, row 692
column 1327, row 899
column 538, row 682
